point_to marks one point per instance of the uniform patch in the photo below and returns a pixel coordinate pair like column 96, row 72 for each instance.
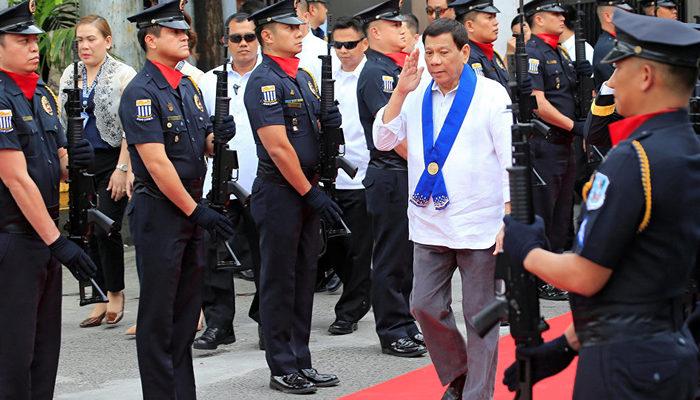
column 269, row 95
column 198, row 103
column 143, row 110
column 6, row 121
column 478, row 68
column 499, row 62
column 596, row 196
column 533, row 65
column 171, row 107
column 581, row 235
column 388, row 83
column 46, row 105
column 314, row 90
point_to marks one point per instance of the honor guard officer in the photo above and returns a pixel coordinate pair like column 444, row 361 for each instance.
column 479, row 18
column 606, row 40
column 667, row 9
column 169, row 132
column 283, row 106
column 33, row 160
column 386, row 184
column 637, row 245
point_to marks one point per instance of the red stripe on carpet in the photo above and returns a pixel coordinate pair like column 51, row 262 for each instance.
column 423, row 383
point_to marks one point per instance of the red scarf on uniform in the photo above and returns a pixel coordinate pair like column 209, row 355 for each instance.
column 622, row 129
column 486, row 48
column 399, row 58
column 26, row 82
column 171, row 75
column 551, row 39
column 290, row 66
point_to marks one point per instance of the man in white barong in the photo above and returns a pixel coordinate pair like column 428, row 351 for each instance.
column 457, row 127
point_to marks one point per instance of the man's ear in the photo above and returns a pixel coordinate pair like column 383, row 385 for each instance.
column 647, row 76
column 466, row 50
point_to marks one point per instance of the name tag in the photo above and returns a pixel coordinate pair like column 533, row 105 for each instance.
column 27, row 118
column 175, row 118
column 294, row 103
column 549, row 62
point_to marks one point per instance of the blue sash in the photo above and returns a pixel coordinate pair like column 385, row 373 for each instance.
column 432, row 183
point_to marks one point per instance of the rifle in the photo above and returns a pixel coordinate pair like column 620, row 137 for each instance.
column 332, row 143
column 224, row 182
column 516, row 289
column 83, row 215
column 585, row 87
column 694, row 108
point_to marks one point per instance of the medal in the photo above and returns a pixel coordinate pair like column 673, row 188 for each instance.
column 433, row 168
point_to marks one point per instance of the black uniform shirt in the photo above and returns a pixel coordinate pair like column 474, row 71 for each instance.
column 274, row 98
column 152, row 111
column 374, row 88
column 602, row 72
column 35, row 130
column 553, row 73
column 655, row 264
column 492, row 69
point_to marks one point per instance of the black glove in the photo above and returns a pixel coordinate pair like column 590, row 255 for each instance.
column 319, row 201
column 82, row 154
column 212, row 221
column 74, row 258
column 521, row 238
column 225, row 131
column 583, row 68
column 579, row 128
column 332, row 119
column 547, row 359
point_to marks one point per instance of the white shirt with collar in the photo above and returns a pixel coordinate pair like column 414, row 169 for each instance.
column 355, row 143
column 243, row 142
column 311, row 48
column 570, row 46
column 474, row 172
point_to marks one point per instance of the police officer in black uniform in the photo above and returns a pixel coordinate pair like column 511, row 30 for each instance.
column 33, row 160
column 667, row 9
column 386, row 186
column 283, row 106
column 169, row 132
column 479, row 18
column 554, row 83
column 638, row 242
column 606, row 40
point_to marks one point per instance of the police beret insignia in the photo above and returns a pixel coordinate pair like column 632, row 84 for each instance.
column 388, row 83
column 533, row 65
column 478, row 69
column 596, row 196
column 198, row 103
column 46, row 105
column 143, row 110
column 6, row 121
column 269, row 94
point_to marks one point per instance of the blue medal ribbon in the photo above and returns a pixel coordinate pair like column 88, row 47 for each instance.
column 432, row 182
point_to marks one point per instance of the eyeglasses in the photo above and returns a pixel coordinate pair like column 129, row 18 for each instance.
column 348, row 45
column 237, row 38
column 430, row 10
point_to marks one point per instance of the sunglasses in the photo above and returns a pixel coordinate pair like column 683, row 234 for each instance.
column 431, row 10
column 348, row 45
column 237, row 38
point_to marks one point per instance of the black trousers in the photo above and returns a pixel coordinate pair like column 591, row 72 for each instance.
column 392, row 256
column 170, row 262
column 219, row 296
column 108, row 252
column 289, row 248
column 30, row 317
column 661, row 367
column 555, row 201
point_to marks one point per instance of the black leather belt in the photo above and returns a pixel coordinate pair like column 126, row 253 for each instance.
column 276, row 177
column 193, row 187
column 17, row 228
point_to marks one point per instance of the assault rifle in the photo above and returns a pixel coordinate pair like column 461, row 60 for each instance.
column 585, row 87
column 224, row 182
column 83, row 216
column 516, row 289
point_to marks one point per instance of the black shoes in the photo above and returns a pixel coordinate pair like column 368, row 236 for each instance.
column 405, row 347
column 454, row 391
column 329, row 283
column 342, row 327
column 320, row 380
column 294, row 383
column 213, row 337
column 246, row 274
column 418, row 338
column 549, row 292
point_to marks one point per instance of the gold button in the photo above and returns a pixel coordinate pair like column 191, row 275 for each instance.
column 433, row 168
column 169, row 125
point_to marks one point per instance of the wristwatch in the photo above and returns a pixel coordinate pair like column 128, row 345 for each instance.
column 122, row 167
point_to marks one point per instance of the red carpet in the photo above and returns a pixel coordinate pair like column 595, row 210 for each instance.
column 423, row 384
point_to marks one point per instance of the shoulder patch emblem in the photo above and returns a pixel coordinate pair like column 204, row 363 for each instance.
column 478, row 68
column 499, row 62
column 596, row 196
column 46, row 105
column 314, row 90
column 269, row 95
column 143, row 110
column 581, row 235
column 533, row 65
column 6, row 121
column 198, row 103
column 388, row 83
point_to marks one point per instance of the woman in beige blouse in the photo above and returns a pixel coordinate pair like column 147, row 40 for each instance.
column 102, row 80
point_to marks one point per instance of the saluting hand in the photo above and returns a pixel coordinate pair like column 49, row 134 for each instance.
column 409, row 79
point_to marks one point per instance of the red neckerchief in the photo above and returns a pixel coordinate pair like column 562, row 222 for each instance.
column 549, row 38
column 171, row 75
column 26, row 82
column 399, row 58
column 290, row 66
column 486, row 48
column 622, row 129
column 613, row 34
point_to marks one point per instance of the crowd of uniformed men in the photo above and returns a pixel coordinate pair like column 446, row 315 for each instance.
column 426, row 120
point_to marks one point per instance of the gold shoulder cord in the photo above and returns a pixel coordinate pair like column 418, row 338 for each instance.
column 646, row 184
column 195, row 85
column 313, row 81
column 55, row 99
